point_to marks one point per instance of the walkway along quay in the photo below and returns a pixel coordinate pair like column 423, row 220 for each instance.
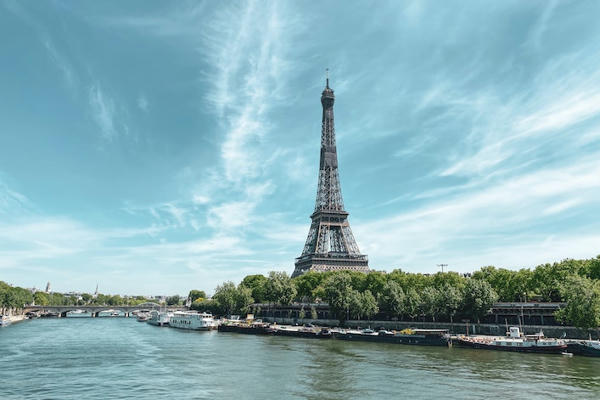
column 530, row 316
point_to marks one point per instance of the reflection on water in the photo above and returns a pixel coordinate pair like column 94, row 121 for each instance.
column 121, row 358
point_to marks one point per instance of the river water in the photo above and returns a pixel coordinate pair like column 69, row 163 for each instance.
column 108, row 358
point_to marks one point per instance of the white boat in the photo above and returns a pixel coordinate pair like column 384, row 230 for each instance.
column 517, row 342
column 110, row 313
column 4, row 320
column 79, row 314
column 192, row 320
column 143, row 316
column 160, row 318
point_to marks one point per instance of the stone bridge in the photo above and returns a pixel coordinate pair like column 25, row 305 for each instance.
column 61, row 311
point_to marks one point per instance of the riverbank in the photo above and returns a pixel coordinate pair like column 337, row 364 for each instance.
column 558, row 331
column 12, row 319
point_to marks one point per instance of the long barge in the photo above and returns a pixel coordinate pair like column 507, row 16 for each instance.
column 303, row 332
column 420, row 337
column 248, row 329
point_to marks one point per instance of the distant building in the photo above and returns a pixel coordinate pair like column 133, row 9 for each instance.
column 48, row 287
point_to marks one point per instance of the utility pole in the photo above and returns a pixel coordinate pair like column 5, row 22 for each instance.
column 442, row 266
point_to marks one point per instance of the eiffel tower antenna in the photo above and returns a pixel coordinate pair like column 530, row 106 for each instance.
column 330, row 245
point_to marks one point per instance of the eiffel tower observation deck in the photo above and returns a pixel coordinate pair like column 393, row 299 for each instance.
column 330, row 245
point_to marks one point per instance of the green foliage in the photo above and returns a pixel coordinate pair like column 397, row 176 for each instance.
column 196, row 294
column 243, row 299
column 307, row 283
column 41, row 299
column 369, row 304
column 339, row 295
column 508, row 284
column 206, row 305
column 256, row 283
column 229, row 299
column 226, row 298
column 313, row 313
column 279, row 288
column 391, row 298
column 478, row 298
column 412, row 303
column 450, row 299
column 430, row 303
column 14, row 297
column 171, row 300
column 582, row 296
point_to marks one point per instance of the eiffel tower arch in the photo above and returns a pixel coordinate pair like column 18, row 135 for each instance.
column 330, row 245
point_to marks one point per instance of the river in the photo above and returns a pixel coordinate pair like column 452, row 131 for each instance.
column 108, row 358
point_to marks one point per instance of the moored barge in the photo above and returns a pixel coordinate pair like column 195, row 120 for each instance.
column 515, row 342
column 249, row 329
column 308, row 332
column 590, row 348
column 421, row 337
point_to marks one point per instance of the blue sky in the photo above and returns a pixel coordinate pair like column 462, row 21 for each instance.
column 156, row 147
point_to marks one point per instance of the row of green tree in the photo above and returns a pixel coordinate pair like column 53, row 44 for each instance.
column 15, row 298
column 402, row 295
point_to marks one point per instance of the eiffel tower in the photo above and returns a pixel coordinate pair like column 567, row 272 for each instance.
column 330, row 245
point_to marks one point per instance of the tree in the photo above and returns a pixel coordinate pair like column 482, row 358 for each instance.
column 243, row 299
column 374, row 282
column 307, row 283
column 582, row 296
column 117, row 300
column 369, row 302
column 450, row 299
column 173, row 300
column 412, row 302
column 279, row 288
column 391, row 298
column 338, row 292
column 508, row 284
column 226, row 297
column 256, row 283
column 355, row 306
column 593, row 270
column 478, row 298
column 549, row 278
column 41, row 299
column 196, row 294
column 206, row 305
column 430, row 302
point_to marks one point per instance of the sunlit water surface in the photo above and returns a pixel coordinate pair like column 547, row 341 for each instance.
column 108, row 358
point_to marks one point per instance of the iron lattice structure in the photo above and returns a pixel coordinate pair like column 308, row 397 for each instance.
column 330, row 245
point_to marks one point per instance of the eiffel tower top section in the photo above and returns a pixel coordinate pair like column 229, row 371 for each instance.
column 329, row 192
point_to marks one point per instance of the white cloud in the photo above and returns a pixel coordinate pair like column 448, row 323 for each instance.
column 103, row 112
column 62, row 64
column 485, row 218
column 230, row 215
column 200, row 199
column 142, row 103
